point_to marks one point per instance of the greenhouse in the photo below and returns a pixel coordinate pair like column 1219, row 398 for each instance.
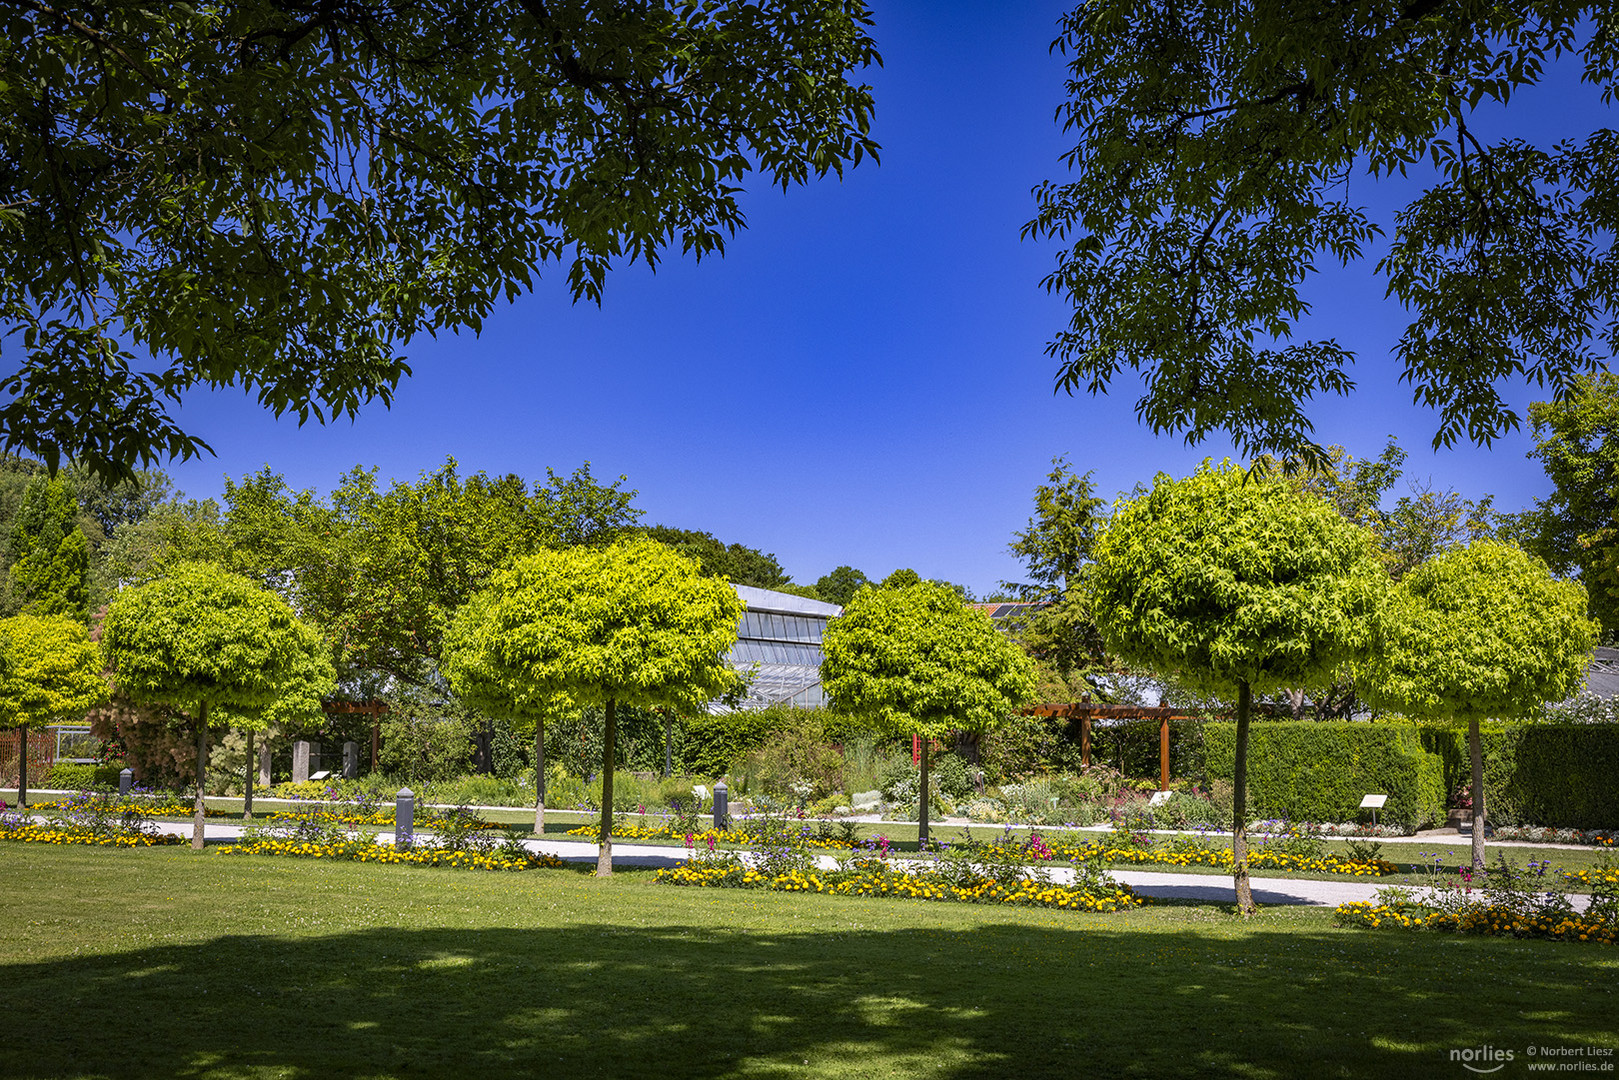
column 778, row 647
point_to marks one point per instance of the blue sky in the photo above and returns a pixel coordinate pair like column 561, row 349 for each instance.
column 861, row 379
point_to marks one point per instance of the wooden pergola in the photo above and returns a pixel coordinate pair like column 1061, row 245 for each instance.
column 1086, row 712
column 370, row 707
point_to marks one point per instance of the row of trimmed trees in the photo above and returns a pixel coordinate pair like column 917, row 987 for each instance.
column 1227, row 581
column 1236, row 583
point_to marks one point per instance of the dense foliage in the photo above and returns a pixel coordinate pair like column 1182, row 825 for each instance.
column 280, row 196
column 1215, row 145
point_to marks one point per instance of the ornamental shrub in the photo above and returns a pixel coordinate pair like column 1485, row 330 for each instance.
column 1319, row 770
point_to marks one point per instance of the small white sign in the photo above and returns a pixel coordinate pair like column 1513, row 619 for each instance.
column 322, row 775
column 1373, row 802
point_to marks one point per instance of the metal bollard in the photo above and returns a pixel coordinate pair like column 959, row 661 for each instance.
column 404, row 818
column 126, row 780
column 722, row 815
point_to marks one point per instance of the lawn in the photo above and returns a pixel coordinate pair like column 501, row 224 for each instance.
column 164, row 963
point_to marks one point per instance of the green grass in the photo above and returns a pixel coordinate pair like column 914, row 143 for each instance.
column 167, row 963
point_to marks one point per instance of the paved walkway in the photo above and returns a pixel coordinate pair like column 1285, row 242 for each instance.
column 1188, row 886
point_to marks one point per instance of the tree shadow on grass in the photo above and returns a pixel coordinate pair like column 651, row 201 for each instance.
column 1074, row 998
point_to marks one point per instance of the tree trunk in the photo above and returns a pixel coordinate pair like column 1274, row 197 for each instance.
column 668, row 746
column 922, row 797
column 604, row 854
column 539, row 778
column 1239, row 810
column 1476, row 750
column 247, row 789
column 22, row 765
column 202, row 776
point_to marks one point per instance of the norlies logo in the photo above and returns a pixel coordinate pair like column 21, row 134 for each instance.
column 1482, row 1059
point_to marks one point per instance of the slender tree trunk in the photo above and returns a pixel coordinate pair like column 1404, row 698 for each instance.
column 1476, row 750
column 1239, row 810
column 539, row 778
column 922, row 798
column 247, row 789
column 668, row 746
column 22, row 765
column 202, row 776
column 604, row 855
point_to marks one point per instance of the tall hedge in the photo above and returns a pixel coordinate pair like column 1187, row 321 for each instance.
column 1564, row 775
column 1319, row 771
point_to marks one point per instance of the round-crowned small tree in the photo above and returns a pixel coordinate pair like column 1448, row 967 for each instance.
column 199, row 639
column 471, row 663
column 1231, row 582
column 635, row 623
column 296, row 704
column 1477, row 632
column 916, row 660
column 49, row 673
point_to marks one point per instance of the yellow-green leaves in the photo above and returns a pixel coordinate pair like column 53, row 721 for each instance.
column 50, row 671
column 919, row 661
column 203, row 635
column 634, row 622
column 1478, row 632
column 1224, row 577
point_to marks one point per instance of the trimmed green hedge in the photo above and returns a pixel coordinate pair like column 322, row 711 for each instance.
column 1560, row 775
column 1307, row 770
column 715, row 745
column 71, row 776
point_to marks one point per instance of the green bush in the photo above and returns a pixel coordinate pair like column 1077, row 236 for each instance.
column 69, row 776
column 1559, row 775
column 711, row 746
column 1320, row 770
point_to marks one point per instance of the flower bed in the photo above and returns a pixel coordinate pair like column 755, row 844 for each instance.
column 85, row 818
column 1504, row 901
column 369, row 850
column 317, row 832
column 355, row 815
column 33, row 833
column 151, row 806
column 1038, row 849
column 816, row 833
column 1481, row 918
column 875, row 880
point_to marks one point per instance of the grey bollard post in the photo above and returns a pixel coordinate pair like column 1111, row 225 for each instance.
column 126, row 780
column 722, row 815
column 351, row 760
column 404, row 818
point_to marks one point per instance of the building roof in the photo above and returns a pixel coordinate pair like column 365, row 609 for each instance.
column 1602, row 674
column 784, row 603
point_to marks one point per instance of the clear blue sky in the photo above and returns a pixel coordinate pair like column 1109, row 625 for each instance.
column 861, row 379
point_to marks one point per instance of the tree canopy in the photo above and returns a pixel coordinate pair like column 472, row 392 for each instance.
column 49, row 554
column 916, row 660
column 1477, row 632
column 1482, row 631
column 736, row 563
column 202, row 638
column 1576, row 528
column 379, row 568
column 1057, row 549
column 1224, row 150
column 280, row 195
column 1231, row 582
column 49, row 673
column 634, row 623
